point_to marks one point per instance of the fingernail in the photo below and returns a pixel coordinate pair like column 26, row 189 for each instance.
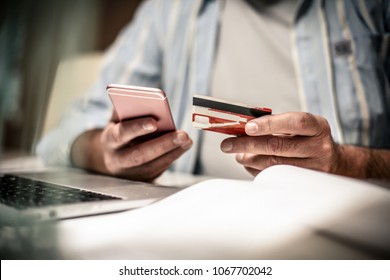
column 180, row 139
column 148, row 126
column 251, row 128
column 239, row 157
column 186, row 146
column 227, row 146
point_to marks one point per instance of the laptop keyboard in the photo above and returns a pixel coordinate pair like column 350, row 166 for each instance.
column 22, row 193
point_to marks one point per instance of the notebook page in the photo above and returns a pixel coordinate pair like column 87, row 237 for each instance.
column 271, row 217
column 338, row 207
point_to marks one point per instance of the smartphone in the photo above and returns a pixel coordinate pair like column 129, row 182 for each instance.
column 132, row 102
column 224, row 116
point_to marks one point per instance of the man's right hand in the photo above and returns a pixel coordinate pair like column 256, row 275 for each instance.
column 116, row 149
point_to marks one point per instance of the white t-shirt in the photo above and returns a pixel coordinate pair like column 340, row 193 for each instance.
column 253, row 65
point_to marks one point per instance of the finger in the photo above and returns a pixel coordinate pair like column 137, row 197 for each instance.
column 252, row 171
column 296, row 123
column 119, row 134
column 261, row 162
column 287, row 146
column 152, row 169
column 138, row 155
column 242, row 158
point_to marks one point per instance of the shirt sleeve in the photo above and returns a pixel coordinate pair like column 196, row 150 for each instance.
column 134, row 58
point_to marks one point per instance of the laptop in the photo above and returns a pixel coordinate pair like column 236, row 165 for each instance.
column 30, row 197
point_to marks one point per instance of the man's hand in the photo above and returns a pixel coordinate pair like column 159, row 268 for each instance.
column 117, row 149
column 304, row 140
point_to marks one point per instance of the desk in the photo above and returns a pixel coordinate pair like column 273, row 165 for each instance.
column 113, row 236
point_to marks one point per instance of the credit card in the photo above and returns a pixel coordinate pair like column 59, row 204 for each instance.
column 224, row 116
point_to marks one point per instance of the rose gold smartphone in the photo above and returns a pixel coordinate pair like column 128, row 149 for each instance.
column 133, row 102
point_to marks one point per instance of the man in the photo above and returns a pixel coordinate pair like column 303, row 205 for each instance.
column 336, row 66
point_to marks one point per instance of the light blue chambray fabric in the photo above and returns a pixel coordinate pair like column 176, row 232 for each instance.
column 342, row 56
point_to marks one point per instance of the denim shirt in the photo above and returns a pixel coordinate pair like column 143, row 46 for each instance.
column 342, row 61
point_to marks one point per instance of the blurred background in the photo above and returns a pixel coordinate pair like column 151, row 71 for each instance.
column 36, row 36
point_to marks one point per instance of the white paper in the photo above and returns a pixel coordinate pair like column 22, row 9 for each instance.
column 272, row 217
